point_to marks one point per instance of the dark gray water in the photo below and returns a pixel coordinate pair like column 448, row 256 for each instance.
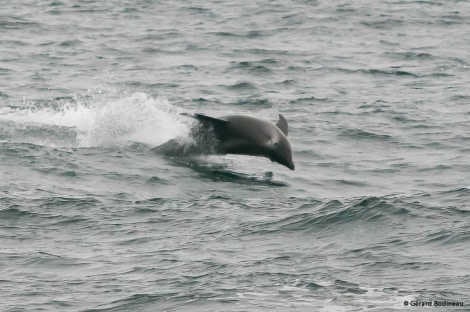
column 377, row 212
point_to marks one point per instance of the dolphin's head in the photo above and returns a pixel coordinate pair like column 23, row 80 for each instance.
column 280, row 152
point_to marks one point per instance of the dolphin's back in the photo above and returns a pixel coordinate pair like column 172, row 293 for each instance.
column 250, row 128
column 246, row 135
column 241, row 134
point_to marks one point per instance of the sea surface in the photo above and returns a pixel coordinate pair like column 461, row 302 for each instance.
column 375, row 217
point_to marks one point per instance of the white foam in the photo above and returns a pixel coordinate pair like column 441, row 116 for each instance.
column 137, row 118
column 67, row 115
column 107, row 122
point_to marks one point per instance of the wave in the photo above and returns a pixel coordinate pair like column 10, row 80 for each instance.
column 334, row 214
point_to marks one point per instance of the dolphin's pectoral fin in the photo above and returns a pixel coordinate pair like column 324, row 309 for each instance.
column 282, row 124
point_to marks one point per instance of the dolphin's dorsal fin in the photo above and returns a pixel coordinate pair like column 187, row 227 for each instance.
column 282, row 124
column 216, row 123
column 205, row 119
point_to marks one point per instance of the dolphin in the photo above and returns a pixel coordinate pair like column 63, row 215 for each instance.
column 245, row 135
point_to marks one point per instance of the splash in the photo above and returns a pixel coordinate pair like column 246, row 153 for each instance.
column 136, row 118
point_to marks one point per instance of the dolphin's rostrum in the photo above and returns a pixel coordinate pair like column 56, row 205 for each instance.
column 237, row 134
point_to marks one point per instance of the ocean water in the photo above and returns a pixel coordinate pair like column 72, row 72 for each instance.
column 376, row 216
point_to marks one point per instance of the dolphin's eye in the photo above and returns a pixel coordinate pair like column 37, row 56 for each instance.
column 276, row 144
